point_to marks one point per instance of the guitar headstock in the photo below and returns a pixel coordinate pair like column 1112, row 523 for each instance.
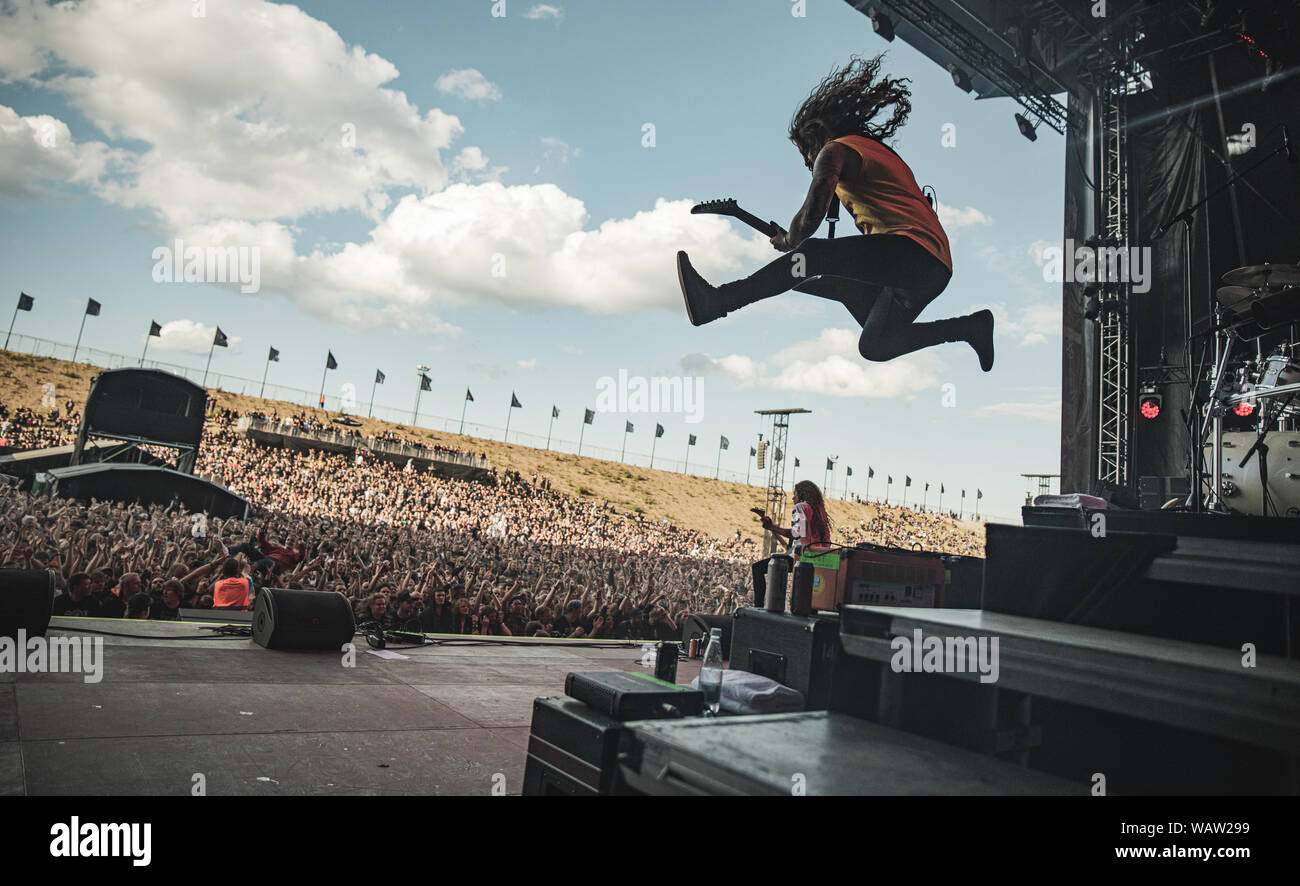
column 726, row 206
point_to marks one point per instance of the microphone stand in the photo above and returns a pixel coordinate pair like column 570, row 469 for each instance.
column 1199, row 503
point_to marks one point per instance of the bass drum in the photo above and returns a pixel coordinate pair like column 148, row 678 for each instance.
column 1243, row 490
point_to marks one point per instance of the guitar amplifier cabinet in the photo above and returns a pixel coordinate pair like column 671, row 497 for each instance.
column 793, row 651
column 870, row 575
column 572, row 750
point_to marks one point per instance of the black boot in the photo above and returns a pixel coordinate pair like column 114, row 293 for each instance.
column 981, row 337
column 706, row 303
column 702, row 302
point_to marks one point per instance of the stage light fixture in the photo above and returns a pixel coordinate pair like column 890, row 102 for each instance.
column 960, row 78
column 1027, row 129
column 1149, row 402
column 881, row 23
column 1245, row 410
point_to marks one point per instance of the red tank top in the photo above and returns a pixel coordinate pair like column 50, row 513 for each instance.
column 885, row 199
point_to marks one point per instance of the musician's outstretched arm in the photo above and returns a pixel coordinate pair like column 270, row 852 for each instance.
column 827, row 169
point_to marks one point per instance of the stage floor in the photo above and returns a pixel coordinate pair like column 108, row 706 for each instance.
column 446, row 720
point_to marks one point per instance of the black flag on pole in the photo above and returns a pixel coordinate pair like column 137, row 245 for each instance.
column 796, row 461
column 941, row 489
column 587, row 416
column 871, row 472
column 752, row 452
column 927, row 487
column 426, row 383
column 25, row 301
column 469, row 398
column 848, row 472
column 154, row 329
column 830, row 465
column 692, row 443
column 273, row 356
column 659, row 431
column 909, row 481
column 514, row 401
column 330, row 362
column 555, row 412
column 629, row 429
column 979, row 493
column 219, row 340
column 889, row 479
column 726, row 444
column 92, row 307
column 379, row 377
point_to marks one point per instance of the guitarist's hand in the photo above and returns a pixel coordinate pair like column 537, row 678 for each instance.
column 781, row 242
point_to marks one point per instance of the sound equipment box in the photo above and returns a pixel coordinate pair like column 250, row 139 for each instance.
column 26, row 601
column 632, row 695
column 572, row 750
column 869, row 575
column 697, row 626
column 793, row 651
column 286, row 619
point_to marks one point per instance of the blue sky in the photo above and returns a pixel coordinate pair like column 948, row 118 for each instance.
column 429, row 184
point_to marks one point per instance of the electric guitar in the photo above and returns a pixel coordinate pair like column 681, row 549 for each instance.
column 731, row 208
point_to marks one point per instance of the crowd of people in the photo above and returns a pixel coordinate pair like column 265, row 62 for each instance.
column 24, row 428
column 411, row 549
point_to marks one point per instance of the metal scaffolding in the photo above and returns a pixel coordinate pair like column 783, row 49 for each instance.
column 1115, row 395
column 779, row 438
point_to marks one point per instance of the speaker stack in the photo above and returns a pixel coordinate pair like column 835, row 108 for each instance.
column 26, row 601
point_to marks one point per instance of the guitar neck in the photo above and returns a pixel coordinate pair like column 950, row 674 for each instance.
column 768, row 228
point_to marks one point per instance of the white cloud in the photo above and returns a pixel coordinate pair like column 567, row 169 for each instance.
column 256, row 111
column 952, row 217
column 829, row 364
column 527, row 364
column 234, row 126
column 1028, row 324
column 469, row 84
column 571, row 349
column 39, row 150
column 1048, row 413
column 190, row 337
column 544, row 10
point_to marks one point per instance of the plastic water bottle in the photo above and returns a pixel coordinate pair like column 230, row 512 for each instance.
column 711, row 672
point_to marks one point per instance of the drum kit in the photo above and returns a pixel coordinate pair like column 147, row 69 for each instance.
column 1256, row 472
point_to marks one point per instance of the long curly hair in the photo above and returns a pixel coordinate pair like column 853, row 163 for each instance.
column 807, row 491
column 848, row 102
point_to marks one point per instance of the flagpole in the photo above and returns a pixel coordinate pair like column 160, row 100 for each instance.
column 415, row 413
column 924, row 496
column 550, row 428
column 867, row 493
column 582, row 431
column 653, row 444
column 748, row 462
column 370, row 413
column 939, row 508
column 262, row 391
column 211, row 348
column 321, row 399
column 624, row 450
column 81, row 330
column 145, row 352
column 686, row 465
column 506, row 438
column 15, row 320
column 904, row 492
column 717, row 469
column 463, row 407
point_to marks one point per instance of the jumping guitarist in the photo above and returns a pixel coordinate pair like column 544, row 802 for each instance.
column 900, row 264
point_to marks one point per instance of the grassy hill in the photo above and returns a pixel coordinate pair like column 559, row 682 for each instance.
column 716, row 507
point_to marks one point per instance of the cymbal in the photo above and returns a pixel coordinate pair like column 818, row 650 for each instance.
column 1235, row 298
column 1258, row 276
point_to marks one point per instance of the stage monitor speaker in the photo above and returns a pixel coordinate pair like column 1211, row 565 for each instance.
column 26, row 601
column 145, row 404
column 699, row 625
column 285, row 619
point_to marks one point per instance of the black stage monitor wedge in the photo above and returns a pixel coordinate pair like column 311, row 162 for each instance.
column 632, row 695
column 26, row 601
column 794, row 651
column 284, row 619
